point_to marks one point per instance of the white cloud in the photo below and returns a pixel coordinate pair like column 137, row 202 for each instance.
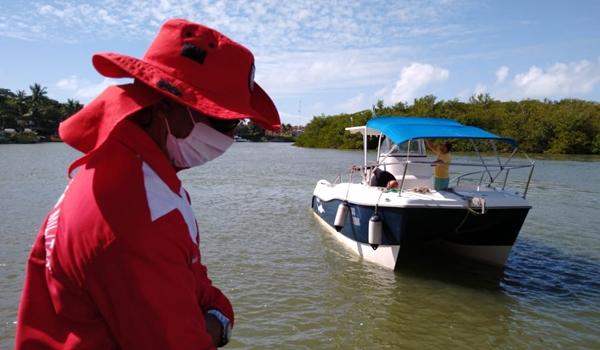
column 90, row 91
column 561, row 79
column 353, row 104
column 82, row 89
column 303, row 25
column 292, row 118
column 464, row 94
column 314, row 71
column 71, row 83
column 414, row 78
column 501, row 74
column 480, row 89
column 381, row 93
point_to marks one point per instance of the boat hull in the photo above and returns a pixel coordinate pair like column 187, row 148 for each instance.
column 487, row 238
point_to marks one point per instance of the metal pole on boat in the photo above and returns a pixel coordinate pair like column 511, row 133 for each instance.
column 504, row 166
column 505, row 179
column 493, row 143
column 365, row 145
column 482, row 161
column 403, row 177
column 528, row 180
column 406, row 162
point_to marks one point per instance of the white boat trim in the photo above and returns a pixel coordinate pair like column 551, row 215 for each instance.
column 362, row 194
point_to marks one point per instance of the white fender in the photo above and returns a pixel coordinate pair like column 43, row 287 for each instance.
column 340, row 216
column 375, row 231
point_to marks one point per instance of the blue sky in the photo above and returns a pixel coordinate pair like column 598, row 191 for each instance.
column 325, row 57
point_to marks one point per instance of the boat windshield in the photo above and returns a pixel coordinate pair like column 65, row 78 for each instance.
column 390, row 149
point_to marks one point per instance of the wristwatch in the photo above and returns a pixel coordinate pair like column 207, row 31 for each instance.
column 225, row 325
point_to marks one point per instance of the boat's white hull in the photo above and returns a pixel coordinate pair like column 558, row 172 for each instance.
column 441, row 219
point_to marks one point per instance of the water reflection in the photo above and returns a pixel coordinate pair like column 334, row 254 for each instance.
column 540, row 272
column 426, row 262
column 422, row 304
column 441, row 301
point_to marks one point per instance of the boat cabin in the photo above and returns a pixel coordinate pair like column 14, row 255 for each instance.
column 410, row 156
column 406, row 160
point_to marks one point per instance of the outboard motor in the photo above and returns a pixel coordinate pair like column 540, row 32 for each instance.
column 375, row 231
column 340, row 216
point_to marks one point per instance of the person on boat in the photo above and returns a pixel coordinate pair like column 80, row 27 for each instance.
column 441, row 164
column 116, row 263
column 381, row 178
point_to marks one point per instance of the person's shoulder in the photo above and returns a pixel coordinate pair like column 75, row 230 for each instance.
column 118, row 184
column 115, row 168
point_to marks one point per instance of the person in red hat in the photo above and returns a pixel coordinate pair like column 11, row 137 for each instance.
column 116, row 263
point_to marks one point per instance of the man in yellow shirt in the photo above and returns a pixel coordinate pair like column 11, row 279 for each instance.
column 441, row 178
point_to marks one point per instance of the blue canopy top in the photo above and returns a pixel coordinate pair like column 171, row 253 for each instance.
column 402, row 129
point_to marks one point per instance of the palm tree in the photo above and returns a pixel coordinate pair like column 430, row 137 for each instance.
column 38, row 95
column 71, row 107
column 37, row 92
column 21, row 101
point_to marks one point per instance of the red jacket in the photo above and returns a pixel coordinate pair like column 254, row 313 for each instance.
column 116, row 263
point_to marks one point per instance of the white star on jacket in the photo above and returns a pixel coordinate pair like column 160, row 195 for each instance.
column 161, row 201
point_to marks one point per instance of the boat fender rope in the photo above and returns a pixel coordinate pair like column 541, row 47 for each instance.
column 473, row 202
column 477, row 202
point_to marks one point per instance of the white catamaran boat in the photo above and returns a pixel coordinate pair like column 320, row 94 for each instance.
column 477, row 216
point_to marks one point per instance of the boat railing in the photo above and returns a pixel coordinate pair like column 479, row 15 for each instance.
column 488, row 170
column 338, row 178
column 503, row 170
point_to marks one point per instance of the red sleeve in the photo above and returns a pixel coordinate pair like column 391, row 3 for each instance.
column 210, row 296
column 146, row 291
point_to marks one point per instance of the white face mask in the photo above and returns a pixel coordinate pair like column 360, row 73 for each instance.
column 200, row 146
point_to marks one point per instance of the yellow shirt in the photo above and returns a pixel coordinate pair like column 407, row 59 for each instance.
column 441, row 170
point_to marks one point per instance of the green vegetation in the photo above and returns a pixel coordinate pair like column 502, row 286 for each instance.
column 29, row 118
column 252, row 132
column 33, row 115
column 568, row 126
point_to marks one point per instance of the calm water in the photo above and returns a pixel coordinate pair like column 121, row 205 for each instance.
column 294, row 287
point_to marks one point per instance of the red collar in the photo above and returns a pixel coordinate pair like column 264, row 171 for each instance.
column 134, row 138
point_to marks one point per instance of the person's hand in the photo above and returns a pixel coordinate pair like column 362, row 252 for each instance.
column 392, row 184
column 213, row 327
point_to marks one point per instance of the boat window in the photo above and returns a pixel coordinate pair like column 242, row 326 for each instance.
column 389, row 148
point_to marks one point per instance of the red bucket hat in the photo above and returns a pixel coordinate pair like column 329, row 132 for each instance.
column 187, row 62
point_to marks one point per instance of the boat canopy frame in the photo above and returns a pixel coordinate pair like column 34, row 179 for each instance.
column 409, row 129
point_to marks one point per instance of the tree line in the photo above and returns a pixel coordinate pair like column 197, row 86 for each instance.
column 33, row 109
column 254, row 132
column 568, row 126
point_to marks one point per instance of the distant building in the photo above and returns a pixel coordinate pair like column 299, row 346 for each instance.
column 297, row 130
column 287, row 130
